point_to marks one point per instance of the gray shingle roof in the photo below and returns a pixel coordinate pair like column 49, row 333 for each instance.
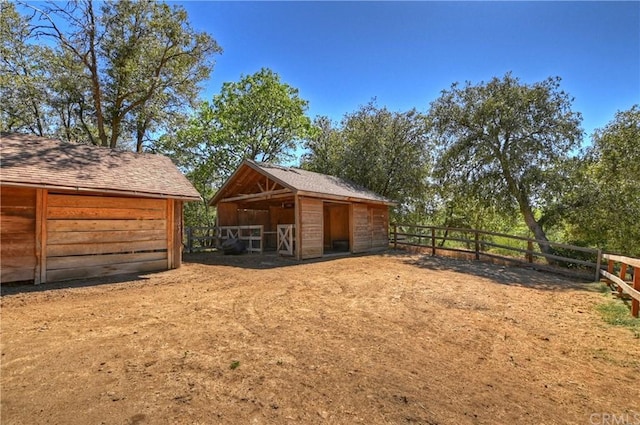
column 36, row 161
column 308, row 182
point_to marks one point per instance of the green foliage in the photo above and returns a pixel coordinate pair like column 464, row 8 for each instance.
column 502, row 144
column 258, row 118
column 617, row 313
column 23, row 75
column 386, row 152
column 261, row 118
column 605, row 202
column 118, row 71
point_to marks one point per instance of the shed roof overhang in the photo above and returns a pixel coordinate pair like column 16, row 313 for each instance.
column 251, row 183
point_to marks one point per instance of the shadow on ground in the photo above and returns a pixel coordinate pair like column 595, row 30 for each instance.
column 501, row 274
column 27, row 287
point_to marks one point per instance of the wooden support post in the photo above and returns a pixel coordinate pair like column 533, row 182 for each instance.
column 433, row 241
column 610, row 271
column 598, row 265
column 189, row 239
column 623, row 275
column 170, row 234
column 395, row 236
column 530, row 251
column 40, row 275
column 477, row 241
column 635, row 304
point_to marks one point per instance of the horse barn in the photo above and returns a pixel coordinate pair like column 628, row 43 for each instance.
column 75, row 211
column 300, row 213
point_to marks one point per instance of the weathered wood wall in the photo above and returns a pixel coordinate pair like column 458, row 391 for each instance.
column 361, row 224
column 370, row 227
column 227, row 214
column 311, row 233
column 379, row 227
column 17, row 234
column 89, row 236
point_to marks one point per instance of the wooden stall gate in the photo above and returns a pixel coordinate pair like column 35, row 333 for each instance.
column 286, row 239
column 251, row 236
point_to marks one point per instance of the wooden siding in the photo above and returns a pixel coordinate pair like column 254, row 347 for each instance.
column 361, row 228
column 227, row 213
column 90, row 236
column 311, row 233
column 17, row 234
column 379, row 227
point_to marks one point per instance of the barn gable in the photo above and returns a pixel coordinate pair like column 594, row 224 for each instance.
column 74, row 211
column 329, row 214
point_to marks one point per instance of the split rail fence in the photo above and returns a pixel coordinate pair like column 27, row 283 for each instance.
column 620, row 283
column 561, row 258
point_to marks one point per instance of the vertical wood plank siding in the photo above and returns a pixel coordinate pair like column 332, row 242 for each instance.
column 90, row 236
column 17, row 234
column 361, row 228
column 311, row 233
column 379, row 227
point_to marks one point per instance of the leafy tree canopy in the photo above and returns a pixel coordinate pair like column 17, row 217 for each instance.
column 258, row 118
column 386, row 152
column 117, row 71
column 604, row 205
column 504, row 142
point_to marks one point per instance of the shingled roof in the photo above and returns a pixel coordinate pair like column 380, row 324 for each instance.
column 27, row 160
column 305, row 182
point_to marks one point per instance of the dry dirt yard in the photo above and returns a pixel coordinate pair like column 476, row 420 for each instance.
column 381, row 339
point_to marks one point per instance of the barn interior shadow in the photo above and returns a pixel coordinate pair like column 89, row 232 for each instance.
column 500, row 274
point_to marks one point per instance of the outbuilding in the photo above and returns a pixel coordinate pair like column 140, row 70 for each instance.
column 300, row 213
column 76, row 211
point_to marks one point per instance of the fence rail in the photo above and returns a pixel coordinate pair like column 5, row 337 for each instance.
column 521, row 250
column 199, row 239
column 620, row 282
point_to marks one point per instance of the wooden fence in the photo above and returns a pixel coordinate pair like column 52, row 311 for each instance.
column 199, row 239
column 620, row 283
column 563, row 258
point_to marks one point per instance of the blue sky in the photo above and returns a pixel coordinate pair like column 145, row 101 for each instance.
column 342, row 54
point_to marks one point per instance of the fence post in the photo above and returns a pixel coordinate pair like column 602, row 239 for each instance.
column 598, row 265
column 395, row 236
column 189, row 239
column 635, row 304
column 530, row 251
column 477, row 240
column 623, row 277
column 433, row 241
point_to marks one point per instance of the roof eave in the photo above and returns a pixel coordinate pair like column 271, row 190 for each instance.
column 251, row 164
column 102, row 190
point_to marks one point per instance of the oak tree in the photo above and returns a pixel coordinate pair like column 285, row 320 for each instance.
column 504, row 141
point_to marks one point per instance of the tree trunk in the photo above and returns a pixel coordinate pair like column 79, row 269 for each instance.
column 535, row 227
column 525, row 207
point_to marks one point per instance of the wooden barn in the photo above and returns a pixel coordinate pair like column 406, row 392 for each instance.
column 300, row 213
column 75, row 211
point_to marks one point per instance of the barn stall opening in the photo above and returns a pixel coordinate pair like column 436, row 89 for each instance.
column 300, row 213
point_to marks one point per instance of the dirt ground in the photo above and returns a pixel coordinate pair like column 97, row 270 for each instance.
column 391, row 338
